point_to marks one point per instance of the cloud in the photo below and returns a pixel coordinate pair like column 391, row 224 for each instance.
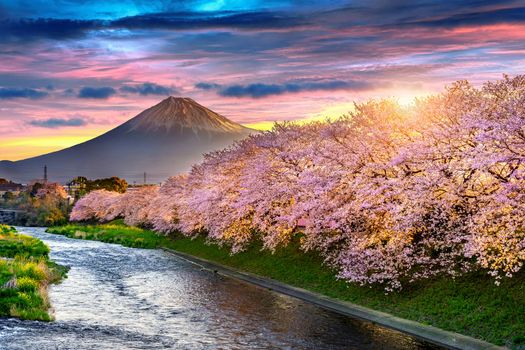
column 507, row 15
column 217, row 19
column 33, row 29
column 28, row 29
column 207, row 86
column 96, row 92
column 10, row 93
column 106, row 10
column 54, row 123
column 260, row 90
column 148, row 89
column 181, row 16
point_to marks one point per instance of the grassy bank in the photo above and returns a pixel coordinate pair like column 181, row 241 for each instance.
column 25, row 273
column 470, row 305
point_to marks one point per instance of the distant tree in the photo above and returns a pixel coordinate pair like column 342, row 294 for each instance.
column 78, row 187
column 8, row 196
column 113, row 184
column 79, row 181
column 34, row 188
column 81, row 185
column 103, row 205
column 43, row 204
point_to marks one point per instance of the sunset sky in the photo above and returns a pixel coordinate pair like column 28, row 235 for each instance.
column 72, row 69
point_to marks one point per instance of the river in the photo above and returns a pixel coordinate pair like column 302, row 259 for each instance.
column 124, row 298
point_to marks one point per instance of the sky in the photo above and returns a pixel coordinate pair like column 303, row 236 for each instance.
column 73, row 69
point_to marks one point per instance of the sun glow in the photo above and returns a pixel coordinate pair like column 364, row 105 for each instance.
column 406, row 100
column 16, row 148
column 263, row 125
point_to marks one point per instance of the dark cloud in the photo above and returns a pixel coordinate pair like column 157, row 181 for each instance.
column 260, row 90
column 32, row 29
column 367, row 13
column 54, row 123
column 26, row 29
column 507, row 15
column 148, row 89
column 96, row 92
column 32, row 77
column 69, row 92
column 223, row 19
column 371, row 14
column 10, row 93
column 207, row 86
column 385, row 13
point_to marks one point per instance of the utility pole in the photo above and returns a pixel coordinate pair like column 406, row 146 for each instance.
column 144, row 178
column 45, row 174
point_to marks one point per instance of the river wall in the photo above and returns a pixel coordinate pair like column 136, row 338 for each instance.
column 9, row 217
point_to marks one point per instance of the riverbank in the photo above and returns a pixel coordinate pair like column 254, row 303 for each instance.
column 25, row 274
column 470, row 305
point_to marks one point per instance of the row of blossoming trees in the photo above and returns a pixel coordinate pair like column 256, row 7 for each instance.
column 387, row 194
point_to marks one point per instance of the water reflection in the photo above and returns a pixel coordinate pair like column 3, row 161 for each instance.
column 121, row 298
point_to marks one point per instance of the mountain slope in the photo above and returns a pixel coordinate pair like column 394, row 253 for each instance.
column 162, row 141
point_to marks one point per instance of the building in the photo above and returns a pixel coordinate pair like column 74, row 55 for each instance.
column 8, row 186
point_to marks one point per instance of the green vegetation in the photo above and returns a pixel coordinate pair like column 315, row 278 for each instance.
column 114, row 232
column 41, row 204
column 471, row 305
column 81, row 185
column 25, row 273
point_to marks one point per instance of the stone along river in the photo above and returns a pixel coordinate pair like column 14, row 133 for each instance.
column 123, row 298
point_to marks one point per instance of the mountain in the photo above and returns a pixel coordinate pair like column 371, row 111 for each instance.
column 162, row 141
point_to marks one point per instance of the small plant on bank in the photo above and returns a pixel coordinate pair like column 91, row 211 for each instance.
column 25, row 273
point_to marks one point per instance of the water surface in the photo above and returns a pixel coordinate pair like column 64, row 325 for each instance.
column 124, row 298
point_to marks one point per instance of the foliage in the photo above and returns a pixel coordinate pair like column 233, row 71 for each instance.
column 25, row 273
column 114, row 232
column 387, row 195
column 493, row 313
column 13, row 244
column 81, row 185
column 8, row 196
column 43, row 204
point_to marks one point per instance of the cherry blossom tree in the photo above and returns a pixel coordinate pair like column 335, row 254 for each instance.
column 99, row 205
column 134, row 205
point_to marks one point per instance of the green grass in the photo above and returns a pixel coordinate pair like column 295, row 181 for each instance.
column 25, row 273
column 471, row 305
